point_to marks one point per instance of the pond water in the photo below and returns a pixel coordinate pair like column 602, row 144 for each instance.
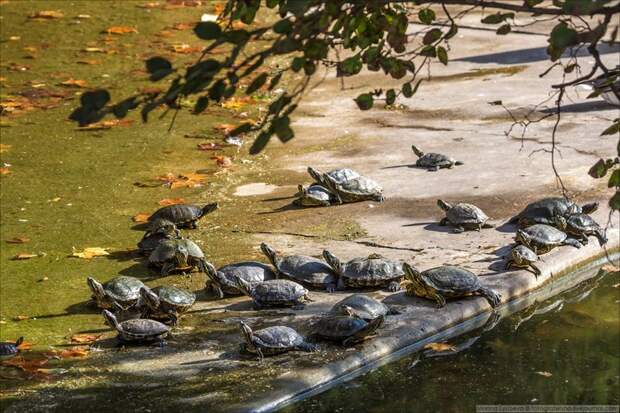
column 561, row 351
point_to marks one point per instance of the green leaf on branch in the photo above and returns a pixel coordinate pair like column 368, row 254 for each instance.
column 431, row 36
column 497, row 18
column 614, row 179
column 256, row 84
column 390, row 97
column 407, row 90
column 614, row 129
column 237, row 37
column 208, row 30
column 283, row 27
column 351, row 65
column 614, row 202
column 442, row 55
column 364, row 101
column 426, row 16
column 599, row 169
column 297, row 64
column 429, row 51
column 315, row 49
column 503, row 29
column 561, row 37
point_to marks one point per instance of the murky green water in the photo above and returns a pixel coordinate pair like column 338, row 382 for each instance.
column 562, row 351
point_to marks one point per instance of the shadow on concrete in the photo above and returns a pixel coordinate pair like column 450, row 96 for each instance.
column 447, row 229
column 589, row 106
column 287, row 207
column 418, row 224
column 506, row 228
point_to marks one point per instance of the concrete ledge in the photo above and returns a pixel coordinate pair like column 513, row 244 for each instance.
column 422, row 323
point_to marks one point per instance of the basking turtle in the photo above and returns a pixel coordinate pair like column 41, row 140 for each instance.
column 177, row 254
column 137, row 330
column 444, row 282
column 581, row 225
column 542, row 238
column 274, row 293
column 338, row 175
column 301, row 268
column 183, row 215
column 160, row 230
column 167, row 301
column 120, row 292
column 433, row 161
column 223, row 280
column 362, row 306
column 523, row 257
column 273, row 340
column 354, row 190
column 346, row 329
column 314, row 195
column 463, row 216
column 372, row 271
column 9, row 349
column 544, row 210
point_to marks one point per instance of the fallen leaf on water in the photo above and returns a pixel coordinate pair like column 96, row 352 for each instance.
column 183, row 26
column 209, row 146
column 88, row 62
column 21, row 318
column 141, row 217
column 93, row 50
column 4, row 147
column 616, row 285
column 75, row 352
column 440, row 347
column 223, row 161
column 544, row 373
column 237, row 103
column 84, row 338
column 190, row 180
column 48, row 372
column 225, row 127
column 150, row 5
column 4, row 170
column 610, row 268
column 74, row 82
column 15, row 38
column 91, row 252
column 171, row 201
column 185, row 48
column 24, row 256
column 25, row 345
column 120, row 30
column 29, row 365
column 47, row 14
column 17, row 240
column 83, row 16
column 106, row 124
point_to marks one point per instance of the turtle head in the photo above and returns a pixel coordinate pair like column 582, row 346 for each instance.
column 333, row 262
column 411, row 273
column 207, row 209
column 111, row 319
column 97, row 289
column 163, row 226
column 269, row 253
column 181, row 254
column 244, row 286
column 316, row 175
column 560, row 222
column 348, row 310
column 150, row 298
column 248, row 335
column 301, row 191
column 19, row 341
column 443, row 205
column 417, row 151
column 589, row 208
column 523, row 237
column 212, row 275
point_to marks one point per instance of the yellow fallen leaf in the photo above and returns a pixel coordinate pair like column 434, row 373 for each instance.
column 21, row 318
column 74, row 82
column 225, row 127
column 24, row 256
column 47, row 14
column 4, row 147
column 171, row 201
column 91, row 252
column 237, row 103
column 223, row 161
column 84, row 338
column 440, row 347
column 17, row 240
column 15, row 38
column 120, row 30
column 141, row 217
column 88, row 62
column 544, row 373
column 150, row 5
column 75, row 352
column 93, row 50
column 185, row 48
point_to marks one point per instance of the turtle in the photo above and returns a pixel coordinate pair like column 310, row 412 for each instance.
column 183, row 215
column 160, row 230
column 273, row 340
column 9, row 349
column 120, row 292
column 544, row 210
column 177, row 254
column 523, row 257
column 346, row 329
column 354, row 190
column 137, row 330
column 433, row 161
column 542, row 238
column 581, row 225
column 167, row 301
column 446, row 281
column 314, row 195
column 306, row 270
column 223, row 280
column 338, row 175
column 463, row 216
column 362, row 306
column 274, row 293
column 372, row 271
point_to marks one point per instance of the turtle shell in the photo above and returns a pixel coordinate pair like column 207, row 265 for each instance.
column 582, row 223
column 166, row 250
column 466, row 214
column 522, row 254
column 543, row 211
column 544, row 237
column 307, row 270
column 339, row 327
column 431, row 160
column 315, row 195
column 363, row 306
column 371, row 271
column 277, row 338
column 358, row 189
column 278, row 292
column 8, row 350
column 343, row 175
column 151, row 241
column 451, row 281
column 178, row 213
column 176, row 297
column 123, row 289
column 142, row 329
column 250, row 271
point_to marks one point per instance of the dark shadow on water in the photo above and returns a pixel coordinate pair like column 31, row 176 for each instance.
column 534, row 54
column 581, row 107
column 126, row 255
column 281, row 198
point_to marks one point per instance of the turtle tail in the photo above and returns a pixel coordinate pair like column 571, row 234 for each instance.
column 492, row 297
column 600, row 235
column 459, row 163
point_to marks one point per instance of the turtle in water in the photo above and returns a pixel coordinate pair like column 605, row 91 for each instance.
column 372, row 271
column 177, row 254
column 137, row 330
column 362, row 306
column 273, row 340
column 581, row 225
column 160, row 230
column 444, row 282
column 183, row 215
column 167, row 302
column 120, row 292
column 223, row 280
column 354, row 190
column 542, row 238
column 9, row 349
column 433, row 161
column 314, row 195
column 338, row 175
column 523, row 257
column 346, row 329
column 274, row 293
column 309, row 271
column 545, row 210
column 463, row 216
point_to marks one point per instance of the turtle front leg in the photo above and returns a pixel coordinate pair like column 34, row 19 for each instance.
column 488, row 225
column 584, row 239
column 441, row 301
column 535, row 269
column 433, row 168
column 444, row 222
column 458, row 229
column 572, row 242
column 509, row 264
column 167, row 268
column 331, row 287
column 298, row 305
column 193, row 225
column 308, row 347
column 340, row 285
column 393, row 286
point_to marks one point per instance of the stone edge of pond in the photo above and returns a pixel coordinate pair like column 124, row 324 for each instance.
column 408, row 331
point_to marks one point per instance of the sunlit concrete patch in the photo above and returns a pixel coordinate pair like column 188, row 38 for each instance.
column 253, row 189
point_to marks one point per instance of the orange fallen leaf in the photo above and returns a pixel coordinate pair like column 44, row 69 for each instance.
column 237, row 103
column 141, row 217
column 190, row 180
column 4, row 147
column 21, row 318
column 225, row 127
column 223, row 161
column 91, row 252
column 171, row 201
column 106, row 124
column 84, row 338
column 47, row 14
column 211, row 146
column 25, row 345
column 88, row 62
column 149, row 5
column 30, row 365
column 440, row 347
column 17, row 240
column 74, row 82
column 5, row 170
column 24, row 256
column 120, row 30
column 183, row 26
column 75, row 352
column 185, row 48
